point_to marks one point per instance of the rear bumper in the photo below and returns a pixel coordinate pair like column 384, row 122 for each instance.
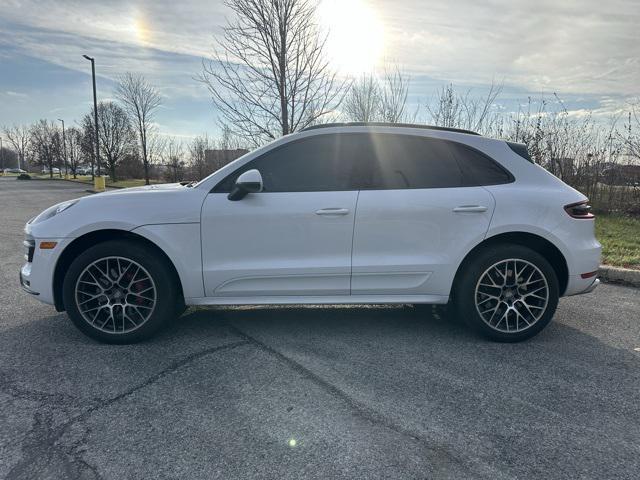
column 578, row 285
column 583, row 258
column 591, row 287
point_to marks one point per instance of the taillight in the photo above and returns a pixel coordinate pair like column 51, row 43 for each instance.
column 579, row 210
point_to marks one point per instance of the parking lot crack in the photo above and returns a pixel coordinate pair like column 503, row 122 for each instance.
column 158, row 376
column 438, row 454
column 44, row 447
column 13, row 389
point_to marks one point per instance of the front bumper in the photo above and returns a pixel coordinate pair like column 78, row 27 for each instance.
column 36, row 276
column 25, row 282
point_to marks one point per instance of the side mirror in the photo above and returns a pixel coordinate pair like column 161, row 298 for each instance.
column 249, row 182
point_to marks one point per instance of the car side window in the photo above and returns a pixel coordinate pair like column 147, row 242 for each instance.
column 477, row 168
column 393, row 162
column 310, row 164
column 370, row 161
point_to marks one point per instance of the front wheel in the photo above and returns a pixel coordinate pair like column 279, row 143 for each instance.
column 119, row 292
column 507, row 293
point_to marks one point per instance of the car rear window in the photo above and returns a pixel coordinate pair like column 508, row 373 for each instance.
column 477, row 168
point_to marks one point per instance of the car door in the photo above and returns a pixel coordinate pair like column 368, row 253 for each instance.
column 416, row 218
column 293, row 238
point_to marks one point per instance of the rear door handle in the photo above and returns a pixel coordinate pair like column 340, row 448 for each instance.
column 332, row 211
column 470, row 208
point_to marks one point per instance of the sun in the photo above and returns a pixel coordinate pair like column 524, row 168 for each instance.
column 355, row 35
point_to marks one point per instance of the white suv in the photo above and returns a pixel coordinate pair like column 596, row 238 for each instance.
column 336, row 214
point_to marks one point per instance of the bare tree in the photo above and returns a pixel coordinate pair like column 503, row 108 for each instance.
column 43, row 144
column 156, row 145
column 18, row 137
column 631, row 134
column 197, row 155
column 140, row 100
column 115, row 135
column 393, row 108
column 228, row 140
column 362, row 101
column 74, row 149
column 87, row 144
column 272, row 77
column 456, row 110
column 174, row 159
column 373, row 99
column 8, row 157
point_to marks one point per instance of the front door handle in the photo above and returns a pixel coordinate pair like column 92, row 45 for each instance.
column 332, row 211
column 470, row 208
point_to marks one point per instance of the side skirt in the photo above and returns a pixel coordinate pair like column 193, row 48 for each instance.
column 319, row 300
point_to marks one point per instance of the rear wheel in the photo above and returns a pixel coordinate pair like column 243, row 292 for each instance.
column 508, row 293
column 119, row 292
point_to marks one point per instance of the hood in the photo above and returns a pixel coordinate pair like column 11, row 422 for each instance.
column 123, row 209
column 145, row 188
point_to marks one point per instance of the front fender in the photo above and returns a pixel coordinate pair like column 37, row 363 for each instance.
column 181, row 243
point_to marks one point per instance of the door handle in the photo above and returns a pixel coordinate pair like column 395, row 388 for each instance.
column 332, row 211
column 470, row 209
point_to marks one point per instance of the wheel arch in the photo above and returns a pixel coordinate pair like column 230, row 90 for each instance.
column 90, row 239
column 526, row 239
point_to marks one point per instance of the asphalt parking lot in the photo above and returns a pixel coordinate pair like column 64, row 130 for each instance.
column 398, row 393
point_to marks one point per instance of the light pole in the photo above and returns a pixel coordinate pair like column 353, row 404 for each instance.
column 64, row 150
column 95, row 112
column 1, row 152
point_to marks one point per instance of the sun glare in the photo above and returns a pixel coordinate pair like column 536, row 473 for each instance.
column 140, row 28
column 355, row 40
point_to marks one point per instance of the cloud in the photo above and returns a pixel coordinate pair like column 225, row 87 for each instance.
column 550, row 44
column 588, row 54
column 562, row 46
column 16, row 94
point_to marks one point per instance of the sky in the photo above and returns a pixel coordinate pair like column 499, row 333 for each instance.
column 586, row 51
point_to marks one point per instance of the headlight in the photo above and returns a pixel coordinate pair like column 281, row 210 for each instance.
column 53, row 211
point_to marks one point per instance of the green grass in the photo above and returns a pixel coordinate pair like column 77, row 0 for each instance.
column 620, row 239
column 131, row 182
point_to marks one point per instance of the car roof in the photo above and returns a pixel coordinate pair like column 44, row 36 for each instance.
column 388, row 124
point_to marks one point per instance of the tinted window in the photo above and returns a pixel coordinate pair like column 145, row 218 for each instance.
column 477, row 168
column 390, row 162
column 363, row 161
column 307, row 165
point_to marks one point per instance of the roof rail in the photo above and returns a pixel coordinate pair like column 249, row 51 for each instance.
column 385, row 124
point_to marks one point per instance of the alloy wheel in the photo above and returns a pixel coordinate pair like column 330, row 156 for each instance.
column 115, row 295
column 511, row 295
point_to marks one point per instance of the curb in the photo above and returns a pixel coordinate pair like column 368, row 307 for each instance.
column 623, row 276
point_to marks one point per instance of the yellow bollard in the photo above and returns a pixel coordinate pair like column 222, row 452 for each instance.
column 99, row 184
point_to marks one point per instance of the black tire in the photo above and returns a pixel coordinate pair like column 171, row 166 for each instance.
column 163, row 280
column 464, row 295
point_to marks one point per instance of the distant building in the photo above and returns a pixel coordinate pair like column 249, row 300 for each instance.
column 216, row 159
column 622, row 175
